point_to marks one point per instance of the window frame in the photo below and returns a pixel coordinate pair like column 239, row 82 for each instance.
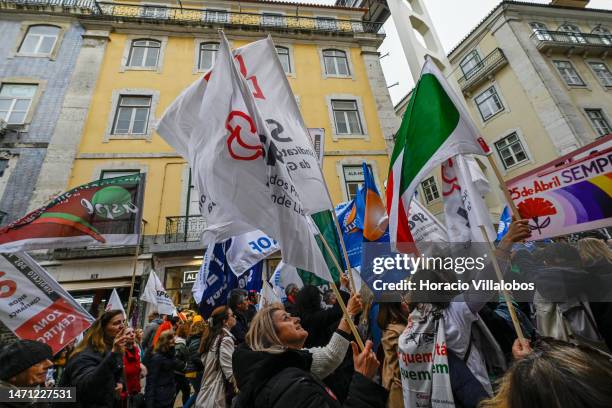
column 604, row 32
column 472, row 71
column 199, row 53
column 127, row 52
column 348, row 125
column 127, row 171
column 344, row 167
column 40, row 89
column 575, row 33
column 521, row 142
column 360, row 112
column 582, row 84
column 37, row 52
column 145, row 55
column 495, row 94
column 541, row 36
column 349, row 67
column 15, row 99
column 603, row 117
column 133, row 110
column 601, row 81
column 424, row 189
column 289, row 57
column 112, row 115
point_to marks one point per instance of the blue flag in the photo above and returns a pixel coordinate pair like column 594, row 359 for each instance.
column 371, row 211
column 504, row 223
column 351, row 233
column 220, row 280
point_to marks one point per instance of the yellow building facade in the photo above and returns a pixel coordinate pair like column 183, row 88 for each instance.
column 148, row 54
column 537, row 81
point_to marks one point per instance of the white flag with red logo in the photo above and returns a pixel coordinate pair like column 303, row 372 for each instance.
column 114, row 303
column 463, row 188
column 251, row 172
column 35, row 307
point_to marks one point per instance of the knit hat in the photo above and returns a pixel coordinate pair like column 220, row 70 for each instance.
column 21, row 355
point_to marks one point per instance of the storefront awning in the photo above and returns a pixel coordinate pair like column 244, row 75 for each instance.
column 92, row 285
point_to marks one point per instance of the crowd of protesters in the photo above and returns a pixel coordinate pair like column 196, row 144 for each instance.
column 303, row 353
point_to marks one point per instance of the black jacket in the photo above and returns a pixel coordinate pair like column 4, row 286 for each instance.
column 321, row 324
column 161, row 386
column 194, row 361
column 284, row 380
column 241, row 327
column 95, row 376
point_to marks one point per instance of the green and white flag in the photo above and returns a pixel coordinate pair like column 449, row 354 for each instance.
column 435, row 127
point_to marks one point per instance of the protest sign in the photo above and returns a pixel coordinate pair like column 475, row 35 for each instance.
column 35, row 307
column 569, row 194
column 101, row 213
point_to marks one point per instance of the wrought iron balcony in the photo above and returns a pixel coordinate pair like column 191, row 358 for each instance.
column 199, row 17
column 563, row 41
column 184, row 229
column 483, row 70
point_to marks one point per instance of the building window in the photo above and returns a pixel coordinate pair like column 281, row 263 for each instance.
column 346, row 117
column 470, row 64
column 353, row 179
column 107, row 174
column 602, row 73
column 15, row 102
column 430, row 190
column 208, row 54
column 336, row 63
column 132, row 115
column 606, row 36
column 3, row 165
column 216, row 16
column 489, row 103
column 144, row 54
column 326, row 23
column 541, row 31
column 40, row 39
column 154, row 12
column 599, row 122
column 574, row 33
column 569, row 73
column 283, row 56
column 273, row 20
column 511, row 151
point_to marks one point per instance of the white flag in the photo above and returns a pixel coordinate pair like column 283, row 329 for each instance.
column 424, row 226
column 465, row 210
column 114, row 303
column 258, row 63
column 284, row 275
column 155, row 294
column 246, row 250
column 267, row 296
column 241, row 169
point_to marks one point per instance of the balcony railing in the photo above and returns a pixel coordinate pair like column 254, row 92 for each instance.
column 200, row 17
column 564, row 41
column 184, row 229
column 483, row 70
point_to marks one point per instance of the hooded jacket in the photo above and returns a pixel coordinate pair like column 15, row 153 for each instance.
column 284, row 380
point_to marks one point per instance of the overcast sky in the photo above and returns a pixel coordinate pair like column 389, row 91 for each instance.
column 453, row 20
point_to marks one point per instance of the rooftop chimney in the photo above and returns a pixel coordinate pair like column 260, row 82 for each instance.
column 570, row 3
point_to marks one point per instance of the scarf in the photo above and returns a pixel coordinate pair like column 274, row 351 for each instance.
column 423, row 360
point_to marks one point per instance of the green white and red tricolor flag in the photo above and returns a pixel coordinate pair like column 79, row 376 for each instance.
column 105, row 212
column 435, row 127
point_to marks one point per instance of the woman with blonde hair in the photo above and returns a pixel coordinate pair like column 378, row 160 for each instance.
column 274, row 371
column 95, row 366
column 160, row 386
column 556, row 375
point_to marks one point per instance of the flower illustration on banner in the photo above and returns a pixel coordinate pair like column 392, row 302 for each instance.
column 538, row 209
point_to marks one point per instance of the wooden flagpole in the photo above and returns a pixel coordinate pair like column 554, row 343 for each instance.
column 339, row 298
column 136, row 255
column 515, row 321
column 344, row 252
